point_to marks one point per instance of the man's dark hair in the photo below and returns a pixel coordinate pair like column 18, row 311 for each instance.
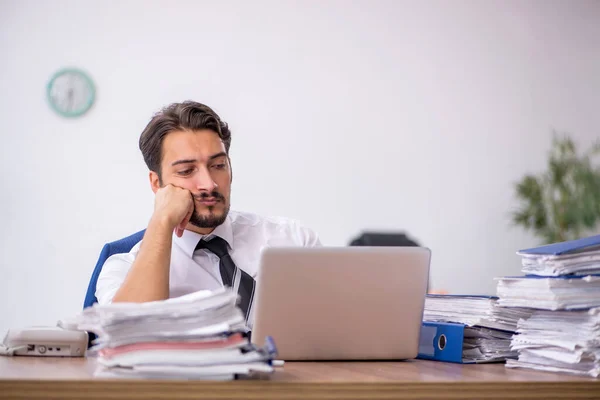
column 188, row 115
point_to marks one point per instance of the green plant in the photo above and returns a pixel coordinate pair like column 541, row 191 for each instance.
column 562, row 203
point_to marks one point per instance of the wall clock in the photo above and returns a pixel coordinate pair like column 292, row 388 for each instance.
column 71, row 92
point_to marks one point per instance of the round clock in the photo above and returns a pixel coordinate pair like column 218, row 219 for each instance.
column 71, row 92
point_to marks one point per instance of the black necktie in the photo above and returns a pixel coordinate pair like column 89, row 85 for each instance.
column 228, row 269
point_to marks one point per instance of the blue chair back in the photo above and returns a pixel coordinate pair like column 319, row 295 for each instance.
column 117, row 247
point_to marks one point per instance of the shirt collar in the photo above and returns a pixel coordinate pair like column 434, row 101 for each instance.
column 188, row 241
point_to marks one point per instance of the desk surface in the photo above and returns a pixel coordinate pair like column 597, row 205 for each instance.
column 70, row 378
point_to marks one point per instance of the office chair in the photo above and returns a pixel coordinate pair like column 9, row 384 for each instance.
column 383, row 239
column 117, row 247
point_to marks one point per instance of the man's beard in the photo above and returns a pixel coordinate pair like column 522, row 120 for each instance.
column 212, row 220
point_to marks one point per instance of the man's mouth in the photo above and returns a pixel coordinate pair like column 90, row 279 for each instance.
column 208, row 201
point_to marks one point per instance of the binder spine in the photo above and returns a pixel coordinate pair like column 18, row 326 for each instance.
column 441, row 341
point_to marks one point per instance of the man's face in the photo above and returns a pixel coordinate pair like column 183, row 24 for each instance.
column 196, row 161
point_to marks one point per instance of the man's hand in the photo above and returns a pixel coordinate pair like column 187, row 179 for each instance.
column 148, row 277
column 174, row 205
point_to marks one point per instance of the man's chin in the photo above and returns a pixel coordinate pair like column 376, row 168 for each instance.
column 210, row 219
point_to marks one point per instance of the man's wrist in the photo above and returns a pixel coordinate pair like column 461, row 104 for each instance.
column 162, row 223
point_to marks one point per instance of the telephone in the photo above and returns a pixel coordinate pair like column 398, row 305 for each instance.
column 44, row 341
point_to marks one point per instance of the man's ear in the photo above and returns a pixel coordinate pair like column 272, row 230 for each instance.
column 154, row 181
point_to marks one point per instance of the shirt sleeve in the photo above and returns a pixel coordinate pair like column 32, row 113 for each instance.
column 306, row 236
column 113, row 274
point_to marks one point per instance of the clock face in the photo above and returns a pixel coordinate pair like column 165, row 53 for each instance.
column 71, row 92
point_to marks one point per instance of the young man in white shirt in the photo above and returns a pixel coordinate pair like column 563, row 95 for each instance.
column 193, row 241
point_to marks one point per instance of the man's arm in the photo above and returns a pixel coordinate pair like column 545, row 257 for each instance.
column 148, row 277
column 304, row 236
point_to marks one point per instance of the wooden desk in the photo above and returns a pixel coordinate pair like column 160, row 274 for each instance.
column 73, row 378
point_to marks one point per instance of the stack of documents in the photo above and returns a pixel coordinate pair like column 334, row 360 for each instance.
column 579, row 257
column 557, row 265
column 561, row 341
column 474, row 328
column 197, row 336
column 451, row 342
column 480, row 311
column 558, row 277
column 486, row 345
column 557, row 293
column 563, row 334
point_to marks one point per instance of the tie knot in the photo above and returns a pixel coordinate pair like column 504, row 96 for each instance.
column 216, row 245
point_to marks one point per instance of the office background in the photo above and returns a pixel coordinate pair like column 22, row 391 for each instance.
column 347, row 115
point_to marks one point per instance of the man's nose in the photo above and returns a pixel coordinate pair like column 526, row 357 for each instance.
column 204, row 181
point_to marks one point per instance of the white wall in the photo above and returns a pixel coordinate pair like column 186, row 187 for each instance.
column 390, row 115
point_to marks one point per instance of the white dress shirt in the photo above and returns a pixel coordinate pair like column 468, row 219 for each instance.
column 246, row 234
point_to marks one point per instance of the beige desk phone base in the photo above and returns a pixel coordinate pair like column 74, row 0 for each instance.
column 44, row 341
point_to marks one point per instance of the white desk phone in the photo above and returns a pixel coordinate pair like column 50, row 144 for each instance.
column 58, row 341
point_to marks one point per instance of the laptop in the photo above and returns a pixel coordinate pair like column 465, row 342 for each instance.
column 341, row 303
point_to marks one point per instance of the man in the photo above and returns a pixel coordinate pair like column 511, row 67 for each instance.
column 193, row 241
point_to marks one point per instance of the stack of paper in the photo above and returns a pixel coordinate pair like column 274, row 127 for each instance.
column 486, row 345
column 564, row 335
column 480, row 311
column 580, row 257
column 556, row 293
column 489, row 327
column 561, row 341
column 578, row 263
column 197, row 336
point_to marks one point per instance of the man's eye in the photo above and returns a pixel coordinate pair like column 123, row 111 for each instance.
column 186, row 172
column 219, row 166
